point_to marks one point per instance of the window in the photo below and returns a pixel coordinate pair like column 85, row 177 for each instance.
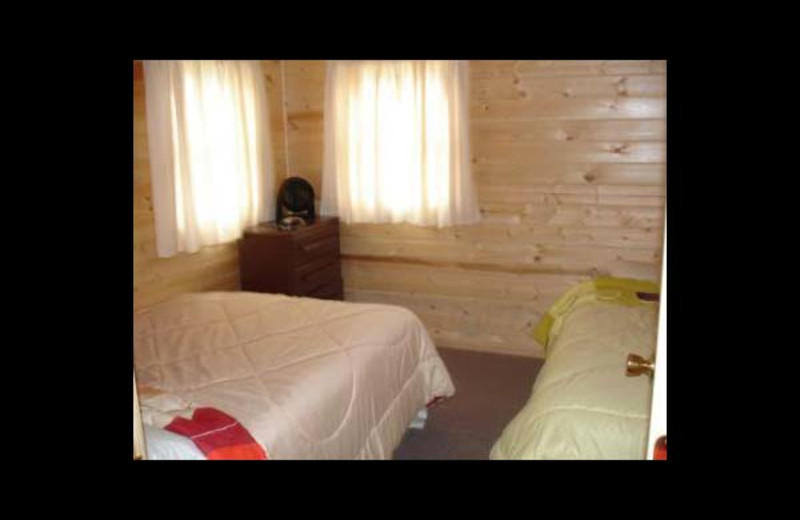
column 397, row 143
column 210, row 156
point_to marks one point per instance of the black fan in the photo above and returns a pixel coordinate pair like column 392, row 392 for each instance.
column 295, row 199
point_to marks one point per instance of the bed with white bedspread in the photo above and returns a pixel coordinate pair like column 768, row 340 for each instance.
column 308, row 378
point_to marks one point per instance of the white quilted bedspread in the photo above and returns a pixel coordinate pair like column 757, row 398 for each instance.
column 310, row 379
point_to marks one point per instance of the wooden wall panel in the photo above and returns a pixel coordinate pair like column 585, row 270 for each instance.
column 570, row 160
column 212, row 268
column 305, row 94
column 520, row 87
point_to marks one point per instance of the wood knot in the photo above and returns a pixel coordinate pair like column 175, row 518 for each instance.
column 619, row 149
column 566, row 94
column 622, row 87
column 589, row 177
column 537, row 258
column 564, row 135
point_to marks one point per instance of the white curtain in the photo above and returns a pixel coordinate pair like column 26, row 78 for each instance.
column 397, row 143
column 210, row 154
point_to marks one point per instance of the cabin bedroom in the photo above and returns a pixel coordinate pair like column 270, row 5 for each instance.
column 399, row 259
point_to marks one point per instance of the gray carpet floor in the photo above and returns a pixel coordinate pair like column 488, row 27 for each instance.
column 490, row 390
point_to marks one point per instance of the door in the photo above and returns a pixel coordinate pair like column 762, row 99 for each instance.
column 657, row 437
column 139, row 451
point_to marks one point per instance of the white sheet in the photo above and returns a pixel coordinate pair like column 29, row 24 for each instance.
column 165, row 445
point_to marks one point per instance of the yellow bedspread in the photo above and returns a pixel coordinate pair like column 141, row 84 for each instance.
column 583, row 406
column 608, row 289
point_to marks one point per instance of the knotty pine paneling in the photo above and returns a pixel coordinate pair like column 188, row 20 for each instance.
column 514, row 87
column 570, row 161
column 305, row 95
column 565, row 68
column 212, row 268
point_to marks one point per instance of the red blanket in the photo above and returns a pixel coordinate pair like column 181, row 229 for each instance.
column 219, row 436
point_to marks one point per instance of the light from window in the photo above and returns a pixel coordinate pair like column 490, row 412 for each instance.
column 210, row 151
column 397, row 143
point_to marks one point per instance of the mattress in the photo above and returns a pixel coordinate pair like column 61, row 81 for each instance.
column 308, row 378
column 583, row 406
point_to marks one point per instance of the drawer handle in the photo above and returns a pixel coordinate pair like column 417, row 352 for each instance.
column 316, row 245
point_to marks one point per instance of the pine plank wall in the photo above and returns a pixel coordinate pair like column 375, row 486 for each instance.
column 570, row 159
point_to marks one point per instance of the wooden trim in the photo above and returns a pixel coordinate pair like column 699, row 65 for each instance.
column 138, row 70
column 470, row 266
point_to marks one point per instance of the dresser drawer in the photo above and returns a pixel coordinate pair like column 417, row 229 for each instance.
column 316, row 274
column 301, row 262
column 316, row 232
column 305, row 251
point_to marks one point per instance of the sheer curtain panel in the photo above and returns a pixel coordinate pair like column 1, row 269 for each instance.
column 397, row 143
column 210, row 154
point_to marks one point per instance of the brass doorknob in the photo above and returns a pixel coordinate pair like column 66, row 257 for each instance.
column 637, row 365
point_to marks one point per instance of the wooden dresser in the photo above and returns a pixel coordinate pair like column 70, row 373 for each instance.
column 303, row 262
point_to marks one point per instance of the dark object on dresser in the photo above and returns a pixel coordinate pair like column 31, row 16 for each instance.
column 295, row 198
column 302, row 262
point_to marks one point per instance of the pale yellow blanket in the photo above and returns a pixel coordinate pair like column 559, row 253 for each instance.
column 624, row 291
column 583, row 406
